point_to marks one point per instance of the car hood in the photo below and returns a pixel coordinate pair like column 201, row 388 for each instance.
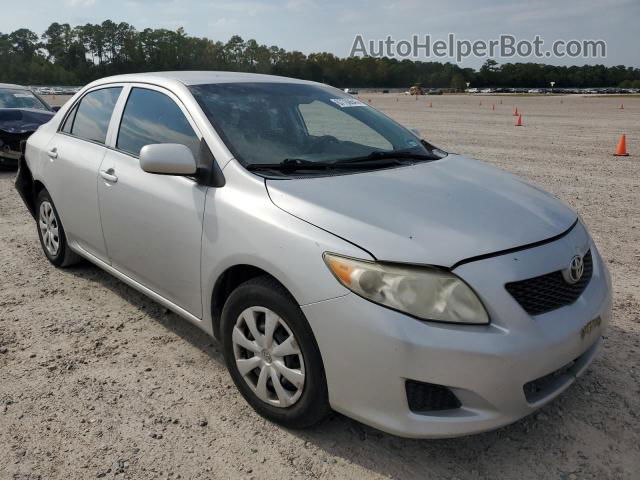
column 436, row 213
column 23, row 120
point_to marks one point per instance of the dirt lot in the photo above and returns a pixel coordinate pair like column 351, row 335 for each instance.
column 98, row 381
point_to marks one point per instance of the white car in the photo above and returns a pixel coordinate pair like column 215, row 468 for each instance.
column 343, row 262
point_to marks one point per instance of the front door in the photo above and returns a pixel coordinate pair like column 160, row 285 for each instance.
column 152, row 224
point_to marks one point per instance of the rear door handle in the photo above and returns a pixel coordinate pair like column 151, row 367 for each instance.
column 53, row 153
column 108, row 175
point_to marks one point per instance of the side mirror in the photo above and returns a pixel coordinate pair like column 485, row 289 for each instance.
column 167, row 159
column 55, row 109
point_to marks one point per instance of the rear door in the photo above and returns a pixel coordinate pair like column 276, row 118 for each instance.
column 152, row 223
column 75, row 154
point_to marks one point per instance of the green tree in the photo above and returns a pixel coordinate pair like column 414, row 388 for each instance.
column 67, row 54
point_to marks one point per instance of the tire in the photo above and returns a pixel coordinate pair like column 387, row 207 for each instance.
column 268, row 302
column 54, row 244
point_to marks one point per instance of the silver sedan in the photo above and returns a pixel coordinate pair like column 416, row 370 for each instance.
column 343, row 262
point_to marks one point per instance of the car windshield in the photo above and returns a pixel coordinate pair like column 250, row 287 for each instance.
column 14, row 98
column 305, row 125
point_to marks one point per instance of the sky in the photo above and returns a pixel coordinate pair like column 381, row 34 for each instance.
column 331, row 25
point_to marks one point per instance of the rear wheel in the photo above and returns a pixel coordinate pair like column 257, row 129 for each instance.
column 51, row 232
column 272, row 355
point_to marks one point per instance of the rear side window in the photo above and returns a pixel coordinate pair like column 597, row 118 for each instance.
column 152, row 117
column 93, row 114
column 68, row 123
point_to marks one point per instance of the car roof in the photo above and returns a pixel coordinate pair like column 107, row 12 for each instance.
column 198, row 78
column 13, row 87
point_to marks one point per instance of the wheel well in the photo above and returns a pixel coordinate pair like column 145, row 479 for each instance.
column 38, row 186
column 36, row 189
column 227, row 283
column 27, row 187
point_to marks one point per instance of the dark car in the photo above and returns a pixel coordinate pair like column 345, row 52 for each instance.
column 21, row 113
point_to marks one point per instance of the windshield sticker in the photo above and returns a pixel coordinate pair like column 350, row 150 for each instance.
column 347, row 102
column 23, row 95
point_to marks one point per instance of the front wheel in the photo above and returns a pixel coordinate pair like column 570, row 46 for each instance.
column 272, row 355
column 51, row 233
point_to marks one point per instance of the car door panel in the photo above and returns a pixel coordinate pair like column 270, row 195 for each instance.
column 74, row 190
column 152, row 224
column 75, row 154
column 153, row 227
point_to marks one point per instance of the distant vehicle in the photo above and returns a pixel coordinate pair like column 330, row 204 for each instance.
column 21, row 113
column 472, row 90
column 416, row 90
column 342, row 261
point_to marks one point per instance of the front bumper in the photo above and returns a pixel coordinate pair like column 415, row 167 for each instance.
column 7, row 161
column 369, row 351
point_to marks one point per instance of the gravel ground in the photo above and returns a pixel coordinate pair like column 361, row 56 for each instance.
column 97, row 381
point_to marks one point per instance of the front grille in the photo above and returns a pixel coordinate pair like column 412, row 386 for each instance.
column 548, row 292
column 426, row 397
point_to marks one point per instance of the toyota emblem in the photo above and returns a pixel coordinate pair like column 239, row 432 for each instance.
column 573, row 274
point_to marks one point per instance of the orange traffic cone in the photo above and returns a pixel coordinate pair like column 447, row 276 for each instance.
column 430, row 104
column 621, row 150
column 515, row 112
column 519, row 121
column 622, row 106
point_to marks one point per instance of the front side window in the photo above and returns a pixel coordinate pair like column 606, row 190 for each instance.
column 271, row 123
column 93, row 114
column 13, row 98
column 152, row 117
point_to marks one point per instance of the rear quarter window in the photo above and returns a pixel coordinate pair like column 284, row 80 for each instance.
column 68, row 123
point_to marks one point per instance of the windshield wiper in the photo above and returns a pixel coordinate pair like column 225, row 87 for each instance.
column 384, row 155
column 374, row 159
column 291, row 165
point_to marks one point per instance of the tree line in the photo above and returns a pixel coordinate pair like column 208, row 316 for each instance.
column 66, row 55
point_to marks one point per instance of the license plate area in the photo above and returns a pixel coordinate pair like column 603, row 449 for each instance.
column 590, row 327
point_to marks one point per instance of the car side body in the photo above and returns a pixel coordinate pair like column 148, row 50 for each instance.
column 187, row 241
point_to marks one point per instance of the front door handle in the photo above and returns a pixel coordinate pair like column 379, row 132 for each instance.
column 53, row 153
column 108, row 175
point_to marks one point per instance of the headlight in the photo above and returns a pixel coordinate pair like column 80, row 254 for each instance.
column 426, row 293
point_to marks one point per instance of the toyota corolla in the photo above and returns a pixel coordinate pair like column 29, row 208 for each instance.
column 343, row 262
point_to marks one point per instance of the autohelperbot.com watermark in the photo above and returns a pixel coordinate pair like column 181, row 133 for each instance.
column 504, row 46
